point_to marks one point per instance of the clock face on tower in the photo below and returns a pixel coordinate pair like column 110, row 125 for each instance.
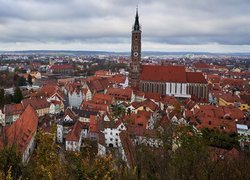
column 136, row 54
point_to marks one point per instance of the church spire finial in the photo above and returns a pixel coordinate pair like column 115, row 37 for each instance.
column 137, row 26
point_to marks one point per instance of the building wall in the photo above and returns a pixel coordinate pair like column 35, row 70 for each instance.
column 112, row 137
column 101, row 150
column 73, row 145
column 185, row 90
column 11, row 119
column 42, row 112
column 147, row 141
column 59, row 133
column 2, row 118
column 75, row 99
column 29, row 150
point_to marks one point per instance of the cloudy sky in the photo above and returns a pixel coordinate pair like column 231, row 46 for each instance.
column 167, row 25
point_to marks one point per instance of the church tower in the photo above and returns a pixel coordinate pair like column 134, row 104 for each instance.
column 135, row 63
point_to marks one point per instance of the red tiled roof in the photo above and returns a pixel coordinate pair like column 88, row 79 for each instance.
column 51, row 89
column 170, row 100
column 128, row 148
column 102, row 73
column 225, row 125
column 163, row 73
column 196, row 77
column 176, row 74
column 75, row 133
column 94, row 105
column 119, row 78
column 155, row 96
column 98, row 84
column 70, row 113
column 102, row 98
column 36, row 102
column 93, row 124
column 149, row 104
column 137, row 123
column 23, row 129
column 13, row 109
column 201, row 65
column 121, row 94
column 214, row 78
column 48, row 89
column 63, row 66
column 229, row 97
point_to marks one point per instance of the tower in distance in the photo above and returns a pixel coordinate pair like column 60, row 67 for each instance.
column 135, row 63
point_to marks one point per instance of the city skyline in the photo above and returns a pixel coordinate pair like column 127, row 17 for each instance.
column 207, row 26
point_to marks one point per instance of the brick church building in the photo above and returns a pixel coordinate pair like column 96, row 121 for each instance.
column 165, row 80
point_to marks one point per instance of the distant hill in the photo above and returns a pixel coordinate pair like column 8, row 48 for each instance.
column 92, row 53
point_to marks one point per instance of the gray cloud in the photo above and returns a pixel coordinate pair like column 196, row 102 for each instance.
column 182, row 22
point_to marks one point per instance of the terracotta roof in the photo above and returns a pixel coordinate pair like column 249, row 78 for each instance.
column 75, row 133
column 120, row 94
column 102, row 73
column 149, row 104
column 196, row 77
column 220, row 118
column 170, row 74
column 154, row 96
column 98, row 85
column 23, row 129
column 93, row 124
column 63, row 66
column 214, row 78
column 218, row 124
column 49, row 88
column 36, row 102
column 102, row 98
column 139, row 93
column 86, row 113
column 13, row 109
column 95, row 106
column 69, row 112
column 189, row 104
column 117, row 79
column 219, row 112
column 128, row 148
column 201, row 65
column 169, row 100
column 163, row 73
column 136, row 123
column 229, row 97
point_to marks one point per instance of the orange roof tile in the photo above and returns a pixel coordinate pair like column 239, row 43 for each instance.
column 163, row 73
column 23, row 129
column 75, row 133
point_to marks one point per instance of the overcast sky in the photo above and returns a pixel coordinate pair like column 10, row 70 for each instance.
column 167, row 25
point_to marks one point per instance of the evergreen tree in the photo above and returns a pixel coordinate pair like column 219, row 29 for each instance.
column 1, row 98
column 8, row 98
column 18, row 96
column 21, row 81
column 11, row 162
column 30, row 80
